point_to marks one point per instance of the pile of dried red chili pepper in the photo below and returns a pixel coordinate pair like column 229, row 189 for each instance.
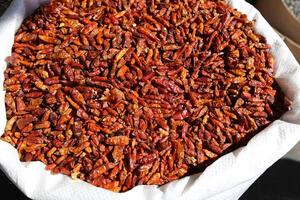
column 121, row 93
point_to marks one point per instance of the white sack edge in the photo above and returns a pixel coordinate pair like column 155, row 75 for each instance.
column 227, row 178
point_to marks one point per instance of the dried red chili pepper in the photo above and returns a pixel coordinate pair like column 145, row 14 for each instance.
column 120, row 93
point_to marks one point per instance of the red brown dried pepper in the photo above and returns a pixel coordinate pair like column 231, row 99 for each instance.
column 121, row 93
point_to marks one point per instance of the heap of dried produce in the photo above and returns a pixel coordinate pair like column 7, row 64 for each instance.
column 121, row 93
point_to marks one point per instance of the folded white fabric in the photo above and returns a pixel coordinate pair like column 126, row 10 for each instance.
column 227, row 178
